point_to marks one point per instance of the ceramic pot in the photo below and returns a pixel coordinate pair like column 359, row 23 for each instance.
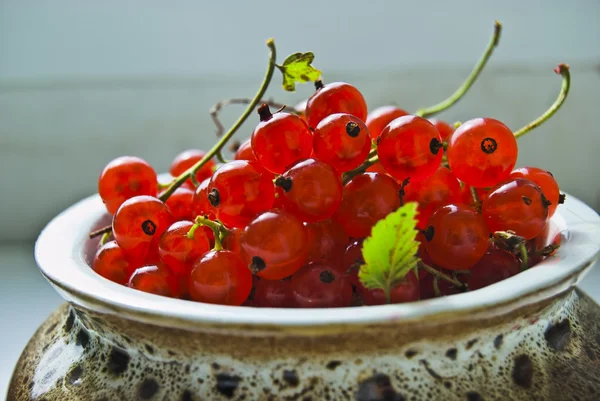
column 534, row 336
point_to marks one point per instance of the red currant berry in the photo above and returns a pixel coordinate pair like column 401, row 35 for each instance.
column 342, row 140
column 187, row 159
column 220, row 277
column 440, row 189
column 273, row 294
column 377, row 168
column 154, row 280
column 240, row 190
column 545, row 180
column 311, row 190
column 111, row 263
column 382, row 116
column 352, row 261
column 124, row 178
column 482, row 152
column 181, row 204
column 494, row 266
column 517, row 205
column 275, row 245
column 138, row 225
column 202, row 206
column 336, row 97
column 443, row 128
column 327, row 242
column 405, row 291
column 280, row 140
column 410, row 147
column 244, row 151
column 457, row 237
column 232, row 241
column 367, row 198
column 179, row 252
column 320, row 286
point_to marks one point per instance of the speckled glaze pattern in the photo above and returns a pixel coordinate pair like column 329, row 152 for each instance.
column 544, row 351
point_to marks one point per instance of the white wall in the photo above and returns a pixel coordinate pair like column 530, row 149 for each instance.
column 82, row 82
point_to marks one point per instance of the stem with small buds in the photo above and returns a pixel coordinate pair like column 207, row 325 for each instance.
column 462, row 90
column 219, row 230
column 563, row 70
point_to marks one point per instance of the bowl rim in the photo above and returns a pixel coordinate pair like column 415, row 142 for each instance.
column 60, row 255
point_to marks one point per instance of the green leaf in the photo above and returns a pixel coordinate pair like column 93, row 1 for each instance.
column 391, row 250
column 297, row 68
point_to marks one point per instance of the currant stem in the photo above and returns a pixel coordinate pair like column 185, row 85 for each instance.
column 563, row 70
column 524, row 257
column 547, row 250
column 220, row 157
column 223, row 141
column 443, row 276
column 104, row 239
column 476, row 200
column 462, row 90
column 359, row 170
column 102, row 231
column 219, row 230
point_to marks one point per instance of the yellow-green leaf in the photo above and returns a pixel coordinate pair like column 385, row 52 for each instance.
column 391, row 250
column 297, row 68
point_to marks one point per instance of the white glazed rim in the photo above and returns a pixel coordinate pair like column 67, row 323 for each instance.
column 60, row 247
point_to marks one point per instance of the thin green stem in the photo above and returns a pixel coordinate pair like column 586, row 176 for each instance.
column 220, row 157
column 476, row 200
column 443, row 276
column 462, row 90
column 360, row 169
column 104, row 239
column 524, row 257
column 219, row 230
column 223, row 141
column 563, row 70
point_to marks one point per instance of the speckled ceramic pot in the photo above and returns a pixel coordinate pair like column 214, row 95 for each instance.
column 531, row 337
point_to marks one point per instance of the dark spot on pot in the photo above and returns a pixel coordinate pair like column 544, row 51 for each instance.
column 431, row 372
column 291, row 377
column 410, row 353
column 473, row 396
column 187, row 396
column 70, row 321
column 227, row 384
column 451, row 353
column 148, row 389
column 448, row 385
column 51, row 328
column 377, row 388
column 149, row 349
column 471, row 343
column 215, row 366
column 331, row 365
column 522, row 372
column 558, row 335
column 75, row 374
column 83, row 338
column 498, row 341
column 118, row 360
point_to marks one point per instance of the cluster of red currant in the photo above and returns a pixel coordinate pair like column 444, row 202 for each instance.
column 282, row 225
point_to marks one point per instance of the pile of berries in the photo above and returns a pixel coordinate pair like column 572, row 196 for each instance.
column 282, row 224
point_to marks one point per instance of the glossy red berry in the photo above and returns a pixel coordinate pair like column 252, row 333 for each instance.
column 154, row 280
column 220, row 277
column 496, row 265
column 181, row 204
column 342, row 140
column 410, row 147
column 311, row 190
column 482, row 152
column 179, row 252
column 124, row 178
column 187, row 159
column 138, row 225
column 406, row 291
column 382, row 116
column 442, row 188
column 275, row 245
column 238, row 191
column 273, row 294
column 327, row 242
column 352, row 261
column 320, row 286
column 336, row 97
column 111, row 263
column 377, row 168
column 202, row 206
column 443, row 128
column 280, row 140
column 517, row 205
column 244, row 151
column 232, row 241
column 367, row 198
column 545, row 180
column 457, row 237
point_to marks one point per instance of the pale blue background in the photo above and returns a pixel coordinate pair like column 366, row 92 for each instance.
column 82, row 82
